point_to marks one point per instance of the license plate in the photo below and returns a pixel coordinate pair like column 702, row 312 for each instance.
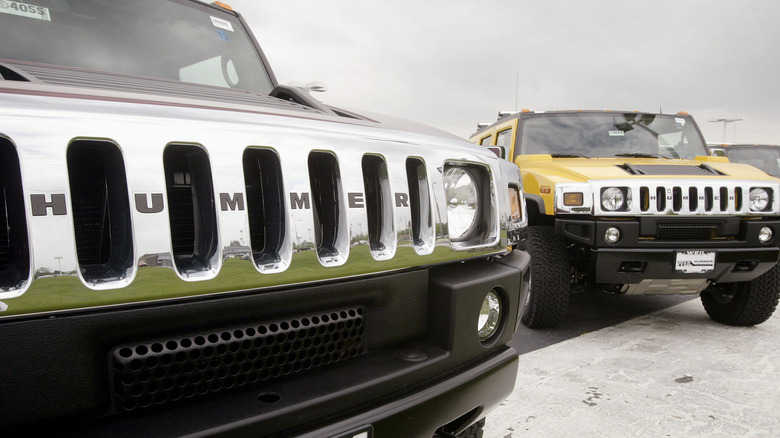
column 694, row 262
column 363, row 432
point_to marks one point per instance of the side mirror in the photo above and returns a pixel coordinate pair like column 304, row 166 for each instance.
column 718, row 152
column 498, row 150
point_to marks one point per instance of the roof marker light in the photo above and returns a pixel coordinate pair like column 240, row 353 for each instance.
column 222, row 5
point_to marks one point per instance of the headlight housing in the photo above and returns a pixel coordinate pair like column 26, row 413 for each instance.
column 470, row 205
column 758, row 199
column 615, row 198
column 463, row 207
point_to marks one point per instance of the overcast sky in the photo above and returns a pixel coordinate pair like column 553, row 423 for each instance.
column 452, row 64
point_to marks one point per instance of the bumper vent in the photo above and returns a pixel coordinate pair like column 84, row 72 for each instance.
column 687, row 232
column 157, row 373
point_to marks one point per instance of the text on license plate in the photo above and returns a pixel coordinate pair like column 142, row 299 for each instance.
column 694, row 262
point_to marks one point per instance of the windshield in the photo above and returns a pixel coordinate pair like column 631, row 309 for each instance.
column 766, row 158
column 611, row 134
column 179, row 40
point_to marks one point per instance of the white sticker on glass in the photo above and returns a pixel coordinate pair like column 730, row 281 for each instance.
column 24, row 10
column 222, row 24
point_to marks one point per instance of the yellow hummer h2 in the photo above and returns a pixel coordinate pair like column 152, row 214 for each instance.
column 630, row 203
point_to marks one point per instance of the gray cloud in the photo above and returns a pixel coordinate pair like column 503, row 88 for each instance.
column 452, row 64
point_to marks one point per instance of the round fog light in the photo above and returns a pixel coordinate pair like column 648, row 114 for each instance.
column 765, row 235
column 489, row 316
column 612, row 235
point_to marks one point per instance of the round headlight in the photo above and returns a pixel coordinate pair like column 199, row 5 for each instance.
column 612, row 235
column 489, row 316
column 462, row 201
column 612, row 199
column 759, row 199
column 765, row 234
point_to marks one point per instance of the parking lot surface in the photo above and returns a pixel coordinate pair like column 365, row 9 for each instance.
column 672, row 372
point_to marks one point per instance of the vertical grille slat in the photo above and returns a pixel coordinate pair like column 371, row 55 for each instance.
column 644, row 198
column 738, row 198
column 693, row 199
column 379, row 211
column 724, row 199
column 14, row 246
column 101, row 210
column 677, row 201
column 191, row 207
column 660, row 199
column 329, row 221
column 265, row 206
column 420, row 204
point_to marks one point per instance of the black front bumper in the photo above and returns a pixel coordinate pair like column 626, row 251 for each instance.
column 421, row 365
column 629, row 266
column 643, row 252
column 453, row 402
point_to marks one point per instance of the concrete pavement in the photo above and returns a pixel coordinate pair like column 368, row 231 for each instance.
column 670, row 373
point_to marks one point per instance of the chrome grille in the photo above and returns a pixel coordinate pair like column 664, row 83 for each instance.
column 210, row 203
column 682, row 197
column 690, row 199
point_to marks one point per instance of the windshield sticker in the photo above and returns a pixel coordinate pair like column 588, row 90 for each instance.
column 24, row 10
column 222, row 24
column 616, row 133
column 679, row 121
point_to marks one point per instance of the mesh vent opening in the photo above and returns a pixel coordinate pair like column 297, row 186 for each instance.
column 170, row 370
column 191, row 207
column 14, row 246
column 686, row 232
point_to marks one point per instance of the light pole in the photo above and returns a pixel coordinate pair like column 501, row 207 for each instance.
column 726, row 121
column 59, row 264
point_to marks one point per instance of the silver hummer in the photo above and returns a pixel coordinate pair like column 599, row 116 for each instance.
column 188, row 247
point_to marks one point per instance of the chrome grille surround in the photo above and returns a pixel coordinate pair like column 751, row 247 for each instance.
column 281, row 242
column 716, row 197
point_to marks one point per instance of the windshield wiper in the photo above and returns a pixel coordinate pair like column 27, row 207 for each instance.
column 568, row 156
column 640, row 155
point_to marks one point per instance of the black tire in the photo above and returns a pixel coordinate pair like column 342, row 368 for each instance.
column 548, row 300
column 743, row 304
